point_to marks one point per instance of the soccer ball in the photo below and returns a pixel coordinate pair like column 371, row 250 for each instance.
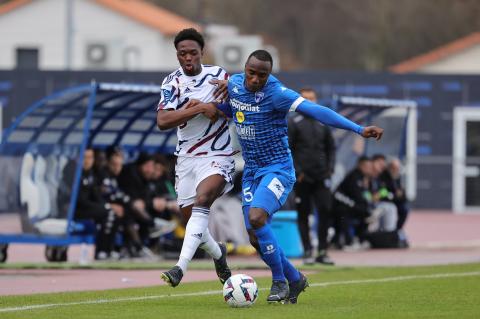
column 240, row 291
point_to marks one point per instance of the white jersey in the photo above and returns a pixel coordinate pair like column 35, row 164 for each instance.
column 196, row 137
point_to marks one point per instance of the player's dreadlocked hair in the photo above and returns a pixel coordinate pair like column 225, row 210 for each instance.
column 189, row 34
column 261, row 55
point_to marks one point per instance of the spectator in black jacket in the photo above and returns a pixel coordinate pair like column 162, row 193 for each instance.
column 135, row 179
column 91, row 205
column 399, row 195
column 353, row 203
column 99, row 163
column 163, row 196
column 162, row 187
column 112, row 192
column 313, row 151
column 384, row 216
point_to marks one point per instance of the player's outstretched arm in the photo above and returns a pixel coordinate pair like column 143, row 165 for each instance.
column 329, row 117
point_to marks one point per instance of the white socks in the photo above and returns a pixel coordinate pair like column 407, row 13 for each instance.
column 197, row 234
column 211, row 246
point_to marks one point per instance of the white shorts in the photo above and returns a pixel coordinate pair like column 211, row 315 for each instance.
column 190, row 171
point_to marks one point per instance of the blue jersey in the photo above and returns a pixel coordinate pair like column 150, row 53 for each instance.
column 260, row 120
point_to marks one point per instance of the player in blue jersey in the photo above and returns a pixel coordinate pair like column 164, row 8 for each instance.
column 258, row 104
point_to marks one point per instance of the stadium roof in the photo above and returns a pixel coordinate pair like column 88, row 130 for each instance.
column 437, row 54
column 101, row 113
column 165, row 21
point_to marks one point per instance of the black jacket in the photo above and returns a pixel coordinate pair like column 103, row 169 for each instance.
column 89, row 199
column 89, row 195
column 384, row 186
column 313, row 147
column 389, row 187
column 133, row 184
column 111, row 190
column 354, row 193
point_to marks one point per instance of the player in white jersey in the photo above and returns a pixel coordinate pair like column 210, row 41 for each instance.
column 204, row 164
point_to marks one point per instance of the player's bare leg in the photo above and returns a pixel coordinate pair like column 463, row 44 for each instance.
column 197, row 234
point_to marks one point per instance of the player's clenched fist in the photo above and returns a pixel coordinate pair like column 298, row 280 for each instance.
column 372, row 131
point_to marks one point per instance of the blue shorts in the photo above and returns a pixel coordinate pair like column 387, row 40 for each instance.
column 266, row 188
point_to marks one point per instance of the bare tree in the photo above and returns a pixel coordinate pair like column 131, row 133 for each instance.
column 341, row 34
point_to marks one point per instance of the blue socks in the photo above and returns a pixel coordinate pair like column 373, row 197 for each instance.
column 289, row 270
column 271, row 252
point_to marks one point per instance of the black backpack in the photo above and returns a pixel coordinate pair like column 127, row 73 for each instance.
column 387, row 239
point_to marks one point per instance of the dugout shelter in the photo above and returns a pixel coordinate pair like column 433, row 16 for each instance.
column 56, row 130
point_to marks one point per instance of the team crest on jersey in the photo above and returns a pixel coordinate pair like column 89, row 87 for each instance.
column 167, row 95
column 259, row 96
column 240, row 117
column 235, row 89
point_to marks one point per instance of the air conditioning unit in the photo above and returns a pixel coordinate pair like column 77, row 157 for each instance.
column 232, row 52
column 103, row 54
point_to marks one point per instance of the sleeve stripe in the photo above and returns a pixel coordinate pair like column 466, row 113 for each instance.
column 296, row 103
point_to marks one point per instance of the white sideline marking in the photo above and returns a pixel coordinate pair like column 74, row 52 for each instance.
column 215, row 292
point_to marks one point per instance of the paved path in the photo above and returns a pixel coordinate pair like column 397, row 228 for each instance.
column 435, row 238
column 22, row 282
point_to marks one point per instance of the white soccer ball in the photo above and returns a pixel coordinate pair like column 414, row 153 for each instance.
column 240, row 291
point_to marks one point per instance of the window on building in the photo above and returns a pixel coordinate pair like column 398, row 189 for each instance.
column 27, row 58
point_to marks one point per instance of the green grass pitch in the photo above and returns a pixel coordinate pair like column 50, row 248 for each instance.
column 384, row 292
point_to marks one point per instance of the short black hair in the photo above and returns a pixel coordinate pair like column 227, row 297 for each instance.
column 143, row 158
column 363, row 158
column 160, row 159
column 378, row 156
column 261, row 55
column 189, row 34
column 113, row 150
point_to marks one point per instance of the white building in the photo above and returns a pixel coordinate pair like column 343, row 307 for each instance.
column 458, row 57
column 88, row 34
column 230, row 49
